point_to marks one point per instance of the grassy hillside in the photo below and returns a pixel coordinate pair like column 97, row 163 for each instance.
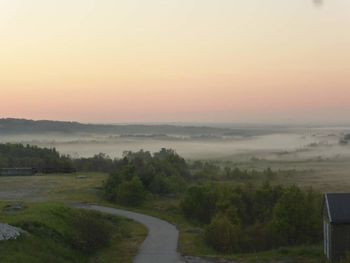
column 57, row 233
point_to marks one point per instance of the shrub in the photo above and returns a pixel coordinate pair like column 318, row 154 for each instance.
column 162, row 173
column 80, row 231
column 160, row 185
column 131, row 192
column 222, row 235
column 90, row 232
column 199, row 203
column 266, row 216
column 296, row 217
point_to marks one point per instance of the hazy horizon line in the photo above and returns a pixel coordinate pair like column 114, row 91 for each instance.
column 226, row 124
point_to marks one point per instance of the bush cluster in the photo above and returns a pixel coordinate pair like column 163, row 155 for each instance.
column 142, row 173
column 246, row 219
column 83, row 231
column 210, row 170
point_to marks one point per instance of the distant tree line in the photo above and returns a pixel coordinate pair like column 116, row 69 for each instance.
column 97, row 163
column 204, row 171
column 49, row 160
column 43, row 160
column 345, row 140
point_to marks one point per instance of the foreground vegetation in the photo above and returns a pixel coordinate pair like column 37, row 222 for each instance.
column 215, row 215
column 239, row 219
column 192, row 241
column 221, row 210
column 57, row 233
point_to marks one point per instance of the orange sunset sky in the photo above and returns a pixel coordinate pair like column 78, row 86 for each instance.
column 175, row 60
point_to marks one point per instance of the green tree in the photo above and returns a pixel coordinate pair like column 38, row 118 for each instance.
column 162, row 173
column 199, row 203
column 295, row 217
column 222, row 235
column 131, row 192
column 265, row 200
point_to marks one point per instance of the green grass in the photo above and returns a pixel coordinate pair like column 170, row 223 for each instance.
column 302, row 254
column 56, row 233
column 55, row 187
column 123, row 250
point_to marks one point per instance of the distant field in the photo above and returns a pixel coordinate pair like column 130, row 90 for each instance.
column 58, row 187
column 325, row 176
column 314, row 153
column 230, row 142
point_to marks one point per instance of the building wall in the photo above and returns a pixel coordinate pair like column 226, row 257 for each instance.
column 326, row 237
column 326, row 233
column 340, row 241
column 16, row 172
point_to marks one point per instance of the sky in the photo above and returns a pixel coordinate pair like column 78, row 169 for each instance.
column 275, row 61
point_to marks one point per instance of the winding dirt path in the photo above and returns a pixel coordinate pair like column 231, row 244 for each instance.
column 160, row 246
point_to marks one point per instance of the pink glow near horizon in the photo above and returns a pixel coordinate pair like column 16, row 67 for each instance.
column 139, row 61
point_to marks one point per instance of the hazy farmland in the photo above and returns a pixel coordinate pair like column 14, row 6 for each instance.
column 283, row 144
column 324, row 162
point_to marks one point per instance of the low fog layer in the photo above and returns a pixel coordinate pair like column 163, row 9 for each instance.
column 273, row 143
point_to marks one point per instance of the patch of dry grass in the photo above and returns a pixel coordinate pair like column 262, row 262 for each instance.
column 56, row 187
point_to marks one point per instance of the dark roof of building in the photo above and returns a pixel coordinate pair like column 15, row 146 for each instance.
column 338, row 207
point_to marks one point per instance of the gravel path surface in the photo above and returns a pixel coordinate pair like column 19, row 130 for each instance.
column 189, row 259
column 8, row 232
column 160, row 246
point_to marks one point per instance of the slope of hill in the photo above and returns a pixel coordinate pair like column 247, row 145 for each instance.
column 23, row 126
